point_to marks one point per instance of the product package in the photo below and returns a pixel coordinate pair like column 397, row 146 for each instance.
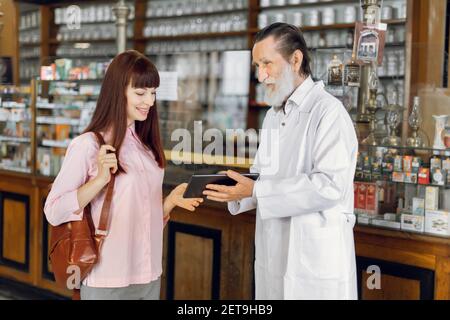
column 372, row 199
column 424, row 176
column 410, row 177
column 413, row 223
column 431, row 198
column 437, row 222
column 418, row 207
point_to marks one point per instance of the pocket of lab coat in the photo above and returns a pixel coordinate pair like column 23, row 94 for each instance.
column 321, row 251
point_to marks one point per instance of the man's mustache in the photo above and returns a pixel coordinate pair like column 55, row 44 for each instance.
column 270, row 82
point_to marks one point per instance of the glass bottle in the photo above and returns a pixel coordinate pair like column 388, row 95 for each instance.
column 415, row 121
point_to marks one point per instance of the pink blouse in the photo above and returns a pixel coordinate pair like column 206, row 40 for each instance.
column 132, row 251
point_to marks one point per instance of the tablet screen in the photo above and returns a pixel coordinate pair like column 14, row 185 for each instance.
column 197, row 183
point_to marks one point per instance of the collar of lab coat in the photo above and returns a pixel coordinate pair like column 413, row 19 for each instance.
column 297, row 98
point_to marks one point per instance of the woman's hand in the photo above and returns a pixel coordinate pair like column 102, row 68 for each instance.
column 106, row 163
column 175, row 198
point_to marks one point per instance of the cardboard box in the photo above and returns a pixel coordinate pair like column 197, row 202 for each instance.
column 372, row 199
column 446, row 168
column 438, row 177
column 398, row 163
column 416, row 163
column 437, row 222
column 386, row 224
column 446, row 164
column 361, row 201
column 446, row 199
column 411, row 222
column 431, row 198
column 407, row 163
column 418, row 207
column 359, row 175
column 410, row 177
column 62, row 132
column 398, row 177
column 363, row 219
column 424, row 176
column 45, row 164
column 390, row 217
column 387, row 167
column 435, row 163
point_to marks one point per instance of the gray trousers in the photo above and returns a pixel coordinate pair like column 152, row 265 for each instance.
column 148, row 291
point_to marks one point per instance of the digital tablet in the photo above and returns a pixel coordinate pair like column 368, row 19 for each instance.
column 197, row 183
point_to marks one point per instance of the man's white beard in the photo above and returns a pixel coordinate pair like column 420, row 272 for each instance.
column 281, row 88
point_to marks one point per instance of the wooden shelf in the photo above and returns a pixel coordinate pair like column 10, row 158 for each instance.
column 194, row 14
column 399, row 77
column 308, row 5
column 14, row 173
column 195, row 36
column 258, row 105
column 339, row 26
column 386, row 232
column 59, row 42
column 35, row 28
column 29, row 44
column 403, row 182
column 387, row 45
column 73, row 80
column 112, row 23
column 15, row 139
column 80, row 56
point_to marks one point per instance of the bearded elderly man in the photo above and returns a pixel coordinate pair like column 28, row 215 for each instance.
column 304, row 196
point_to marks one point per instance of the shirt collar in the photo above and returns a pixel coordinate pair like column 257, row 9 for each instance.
column 131, row 131
column 299, row 94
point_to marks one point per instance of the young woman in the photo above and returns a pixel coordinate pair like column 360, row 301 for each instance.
column 126, row 116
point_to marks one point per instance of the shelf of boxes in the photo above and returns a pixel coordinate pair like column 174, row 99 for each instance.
column 63, row 110
column 14, row 139
column 186, row 8
column 29, row 42
column 55, row 143
column 190, row 26
column 328, row 29
column 404, row 188
column 7, row 167
column 15, row 129
column 97, row 23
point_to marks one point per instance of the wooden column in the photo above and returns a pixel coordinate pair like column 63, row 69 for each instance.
column 139, row 25
column 9, row 36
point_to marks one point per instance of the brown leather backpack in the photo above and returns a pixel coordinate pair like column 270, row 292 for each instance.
column 77, row 244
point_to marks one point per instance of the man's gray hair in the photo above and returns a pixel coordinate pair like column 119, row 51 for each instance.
column 289, row 38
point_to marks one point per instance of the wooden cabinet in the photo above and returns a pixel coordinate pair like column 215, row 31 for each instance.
column 209, row 254
column 412, row 266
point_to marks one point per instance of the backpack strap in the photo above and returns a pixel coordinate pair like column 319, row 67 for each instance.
column 102, row 229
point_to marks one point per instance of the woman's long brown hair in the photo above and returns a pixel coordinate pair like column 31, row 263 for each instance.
column 111, row 111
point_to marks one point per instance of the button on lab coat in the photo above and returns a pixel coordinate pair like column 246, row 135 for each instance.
column 304, row 199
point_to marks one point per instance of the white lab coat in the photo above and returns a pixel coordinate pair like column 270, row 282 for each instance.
column 304, row 199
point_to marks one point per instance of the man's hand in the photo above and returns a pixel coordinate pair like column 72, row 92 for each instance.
column 243, row 189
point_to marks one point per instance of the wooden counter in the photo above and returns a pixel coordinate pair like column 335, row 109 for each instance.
column 209, row 254
column 413, row 266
